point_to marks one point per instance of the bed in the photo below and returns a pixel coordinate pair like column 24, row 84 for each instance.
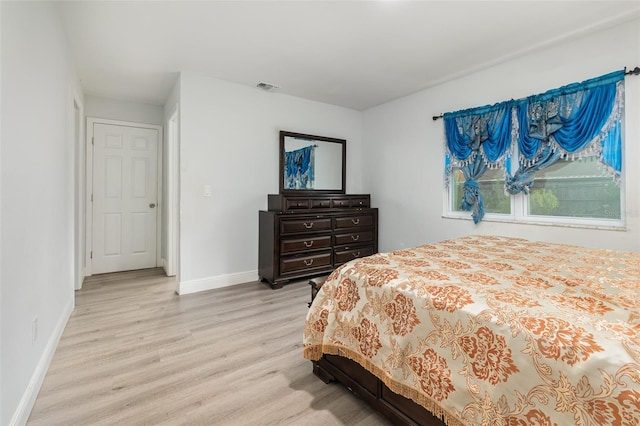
column 485, row 330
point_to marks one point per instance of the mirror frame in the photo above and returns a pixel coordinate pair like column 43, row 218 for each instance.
column 343, row 142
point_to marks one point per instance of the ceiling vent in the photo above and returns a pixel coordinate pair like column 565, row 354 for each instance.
column 267, row 86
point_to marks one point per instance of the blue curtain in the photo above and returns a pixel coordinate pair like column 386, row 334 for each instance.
column 472, row 198
column 574, row 120
column 522, row 179
column 298, row 168
column 484, row 131
column 476, row 139
column 581, row 118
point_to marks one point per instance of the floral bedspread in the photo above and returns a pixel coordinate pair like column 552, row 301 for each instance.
column 487, row 330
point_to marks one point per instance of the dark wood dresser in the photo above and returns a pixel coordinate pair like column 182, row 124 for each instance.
column 304, row 236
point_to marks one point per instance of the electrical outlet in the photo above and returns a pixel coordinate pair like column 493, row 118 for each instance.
column 34, row 330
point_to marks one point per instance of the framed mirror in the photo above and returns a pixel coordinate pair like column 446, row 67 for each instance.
column 312, row 164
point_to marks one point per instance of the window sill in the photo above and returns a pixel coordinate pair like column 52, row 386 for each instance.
column 488, row 218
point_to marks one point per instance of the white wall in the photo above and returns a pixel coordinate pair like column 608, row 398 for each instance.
column 230, row 139
column 37, row 204
column 113, row 109
column 403, row 148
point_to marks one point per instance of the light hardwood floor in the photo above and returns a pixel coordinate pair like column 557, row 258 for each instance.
column 136, row 353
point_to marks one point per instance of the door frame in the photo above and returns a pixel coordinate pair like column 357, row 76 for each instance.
column 79, row 182
column 89, row 179
column 172, row 144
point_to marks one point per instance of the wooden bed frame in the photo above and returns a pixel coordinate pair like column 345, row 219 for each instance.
column 365, row 385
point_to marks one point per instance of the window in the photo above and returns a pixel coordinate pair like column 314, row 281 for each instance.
column 574, row 189
column 567, row 192
column 550, row 148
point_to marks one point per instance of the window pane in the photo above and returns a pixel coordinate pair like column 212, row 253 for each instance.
column 491, row 187
column 575, row 189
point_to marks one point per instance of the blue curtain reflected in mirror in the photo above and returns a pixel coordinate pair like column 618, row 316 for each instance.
column 299, row 168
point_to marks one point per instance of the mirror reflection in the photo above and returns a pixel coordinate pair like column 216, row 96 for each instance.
column 311, row 163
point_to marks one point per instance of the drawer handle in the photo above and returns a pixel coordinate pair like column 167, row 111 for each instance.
column 355, row 221
column 308, row 225
column 308, row 262
column 356, row 254
column 355, row 237
column 308, row 244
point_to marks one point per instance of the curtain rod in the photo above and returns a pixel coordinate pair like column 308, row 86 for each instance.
column 635, row 71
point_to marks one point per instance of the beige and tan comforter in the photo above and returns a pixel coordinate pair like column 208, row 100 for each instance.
column 487, row 330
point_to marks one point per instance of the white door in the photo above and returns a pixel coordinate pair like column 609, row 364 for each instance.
column 125, row 194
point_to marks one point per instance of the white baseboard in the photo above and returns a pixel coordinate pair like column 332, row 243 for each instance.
column 193, row 286
column 21, row 415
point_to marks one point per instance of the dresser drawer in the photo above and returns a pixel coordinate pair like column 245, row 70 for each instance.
column 296, row 203
column 354, row 221
column 301, row 263
column 338, row 203
column 305, row 225
column 311, row 242
column 362, row 202
column 354, row 237
column 344, row 256
column 320, row 203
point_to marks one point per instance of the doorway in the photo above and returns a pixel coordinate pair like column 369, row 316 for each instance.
column 123, row 169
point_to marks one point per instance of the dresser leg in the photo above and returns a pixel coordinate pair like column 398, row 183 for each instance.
column 278, row 284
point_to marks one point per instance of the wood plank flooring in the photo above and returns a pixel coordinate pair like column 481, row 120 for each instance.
column 135, row 353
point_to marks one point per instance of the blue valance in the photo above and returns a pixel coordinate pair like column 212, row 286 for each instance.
column 581, row 118
column 578, row 119
column 571, row 121
column 484, row 131
column 299, row 168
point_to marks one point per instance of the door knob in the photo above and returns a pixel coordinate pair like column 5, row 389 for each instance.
column 152, row 205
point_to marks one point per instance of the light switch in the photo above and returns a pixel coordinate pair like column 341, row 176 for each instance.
column 207, row 191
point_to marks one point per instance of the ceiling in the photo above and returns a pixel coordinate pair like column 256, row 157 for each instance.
column 356, row 54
